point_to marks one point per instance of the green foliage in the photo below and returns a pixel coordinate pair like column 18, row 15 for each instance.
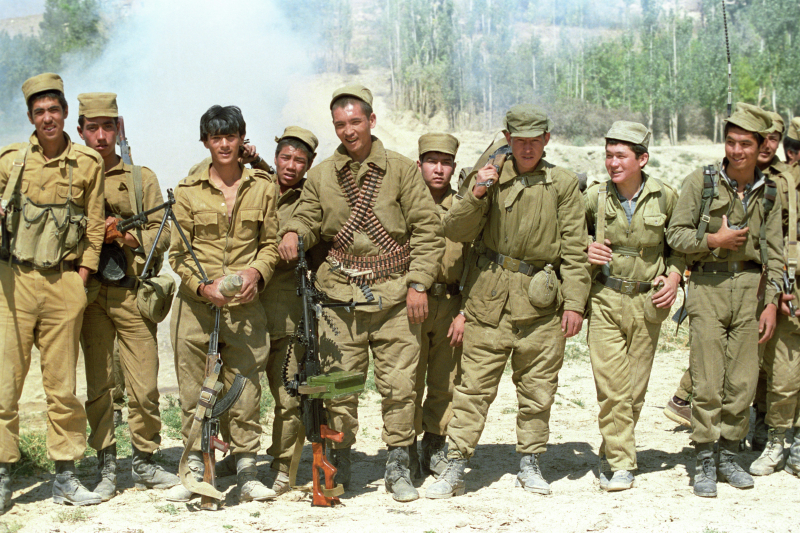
column 171, row 417
column 33, row 447
column 10, row 527
column 168, row 508
column 267, row 401
column 72, row 515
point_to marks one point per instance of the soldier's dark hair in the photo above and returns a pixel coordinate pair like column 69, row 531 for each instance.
column 638, row 149
column 296, row 144
column 758, row 136
column 790, row 145
column 345, row 101
column 82, row 119
column 220, row 120
column 58, row 95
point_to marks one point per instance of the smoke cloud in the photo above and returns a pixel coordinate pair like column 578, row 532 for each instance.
column 170, row 61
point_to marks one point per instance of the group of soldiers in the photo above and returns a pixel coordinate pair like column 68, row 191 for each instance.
column 507, row 267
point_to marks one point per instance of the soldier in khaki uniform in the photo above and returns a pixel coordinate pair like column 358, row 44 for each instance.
column 791, row 142
column 721, row 227
column 294, row 154
column 43, row 273
column 527, row 289
column 113, row 311
column 228, row 214
column 778, row 404
column 387, row 238
column 636, row 280
column 443, row 330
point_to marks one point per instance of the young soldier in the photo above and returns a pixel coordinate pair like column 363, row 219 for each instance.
column 725, row 224
column 115, row 313
column 373, row 205
column 777, row 405
column 526, row 294
column 636, row 281
column 293, row 156
column 228, row 214
column 44, row 269
column 443, row 330
column 791, row 142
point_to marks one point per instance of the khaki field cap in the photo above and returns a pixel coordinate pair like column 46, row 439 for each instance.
column 41, row 83
column 438, row 142
column 92, row 105
column 794, row 129
column 356, row 91
column 751, row 118
column 296, row 132
column 526, row 120
column 631, row 132
column 777, row 122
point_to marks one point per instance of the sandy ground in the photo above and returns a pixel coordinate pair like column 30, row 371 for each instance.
column 663, row 500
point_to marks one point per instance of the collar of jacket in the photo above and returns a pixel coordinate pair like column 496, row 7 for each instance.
column 68, row 153
column 377, row 155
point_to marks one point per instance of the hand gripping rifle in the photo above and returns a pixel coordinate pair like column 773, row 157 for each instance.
column 312, row 386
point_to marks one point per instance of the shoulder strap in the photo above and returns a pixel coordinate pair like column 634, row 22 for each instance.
column 16, row 173
column 709, row 192
column 600, row 223
column 791, row 245
column 770, row 191
column 136, row 194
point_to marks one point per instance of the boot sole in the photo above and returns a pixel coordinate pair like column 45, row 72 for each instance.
column 535, row 490
column 617, row 488
column 159, row 486
column 675, row 417
column 723, row 479
column 259, row 499
column 706, row 494
column 457, row 492
column 794, row 470
column 61, row 500
column 767, row 471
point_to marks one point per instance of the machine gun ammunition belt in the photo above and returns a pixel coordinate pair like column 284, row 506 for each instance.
column 381, row 266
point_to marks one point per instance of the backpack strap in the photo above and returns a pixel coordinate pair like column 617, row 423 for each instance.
column 16, row 174
column 770, row 191
column 135, row 195
column 600, row 223
column 709, row 192
column 790, row 257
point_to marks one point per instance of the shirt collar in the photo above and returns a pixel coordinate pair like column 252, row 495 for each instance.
column 377, row 155
column 68, row 152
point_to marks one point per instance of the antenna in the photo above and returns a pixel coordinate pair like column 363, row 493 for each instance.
column 728, row 52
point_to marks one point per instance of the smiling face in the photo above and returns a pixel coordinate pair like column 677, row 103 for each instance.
column 224, row 147
column 769, row 148
column 354, row 129
column 48, row 116
column 527, row 150
column 622, row 164
column 100, row 134
column 741, row 150
column 437, row 168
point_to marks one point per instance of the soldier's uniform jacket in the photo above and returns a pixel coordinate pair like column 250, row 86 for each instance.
column 455, row 253
column 47, row 182
column 248, row 239
column 780, row 171
column 538, row 218
column 118, row 203
column 645, row 234
column 682, row 230
column 403, row 206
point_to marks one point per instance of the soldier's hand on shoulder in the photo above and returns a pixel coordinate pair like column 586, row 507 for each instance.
column 727, row 238
column 250, row 278
column 456, row 331
column 571, row 323
column 487, row 175
column 287, row 249
column 600, row 254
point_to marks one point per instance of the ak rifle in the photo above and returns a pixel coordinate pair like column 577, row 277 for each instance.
column 312, row 386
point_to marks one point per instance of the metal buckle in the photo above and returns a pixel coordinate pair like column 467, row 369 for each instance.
column 509, row 263
column 705, row 218
column 627, row 287
column 735, row 266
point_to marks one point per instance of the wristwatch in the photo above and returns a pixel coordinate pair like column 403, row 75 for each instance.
column 419, row 287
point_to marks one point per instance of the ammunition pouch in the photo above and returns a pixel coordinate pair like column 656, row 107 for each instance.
column 44, row 235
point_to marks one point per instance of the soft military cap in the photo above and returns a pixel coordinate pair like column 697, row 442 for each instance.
column 356, row 91
column 751, row 118
column 631, row 132
column 794, row 129
column 41, row 83
column 438, row 142
column 777, row 122
column 92, row 105
column 301, row 134
column 526, row 120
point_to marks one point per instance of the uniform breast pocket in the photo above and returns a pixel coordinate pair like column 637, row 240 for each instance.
column 206, row 225
column 62, row 194
column 249, row 223
column 653, row 229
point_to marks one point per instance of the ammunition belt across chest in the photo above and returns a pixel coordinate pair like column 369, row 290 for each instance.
column 395, row 258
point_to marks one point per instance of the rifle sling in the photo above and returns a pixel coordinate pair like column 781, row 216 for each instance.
column 136, row 195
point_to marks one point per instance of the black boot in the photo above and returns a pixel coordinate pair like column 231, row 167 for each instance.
column 148, row 475
column 434, row 453
column 5, row 486
column 760, row 435
column 341, row 460
column 705, row 474
column 728, row 469
column 397, row 477
column 107, row 473
column 413, row 461
column 67, row 489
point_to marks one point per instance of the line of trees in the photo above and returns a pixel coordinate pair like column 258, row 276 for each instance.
column 586, row 62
